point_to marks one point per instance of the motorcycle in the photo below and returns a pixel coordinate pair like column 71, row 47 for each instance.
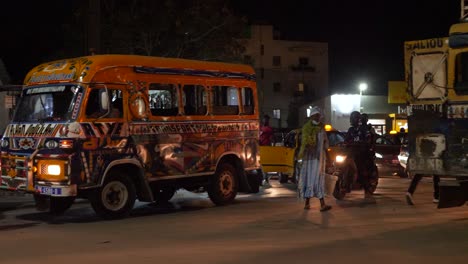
column 349, row 177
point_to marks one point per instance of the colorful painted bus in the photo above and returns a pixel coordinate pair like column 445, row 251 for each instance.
column 116, row 128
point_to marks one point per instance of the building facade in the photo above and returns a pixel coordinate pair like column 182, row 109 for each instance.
column 8, row 97
column 289, row 73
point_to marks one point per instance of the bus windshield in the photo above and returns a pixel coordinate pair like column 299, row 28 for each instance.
column 47, row 103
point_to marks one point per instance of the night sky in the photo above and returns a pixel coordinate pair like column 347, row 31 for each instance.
column 365, row 36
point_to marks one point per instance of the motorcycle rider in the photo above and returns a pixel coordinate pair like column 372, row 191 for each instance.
column 359, row 138
column 367, row 128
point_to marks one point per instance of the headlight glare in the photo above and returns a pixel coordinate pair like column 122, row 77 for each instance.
column 53, row 169
column 340, row 158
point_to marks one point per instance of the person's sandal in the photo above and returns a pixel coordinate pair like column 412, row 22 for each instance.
column 325, row 208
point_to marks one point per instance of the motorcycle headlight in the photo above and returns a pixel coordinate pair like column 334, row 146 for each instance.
column 340, row 158
column 378, row 155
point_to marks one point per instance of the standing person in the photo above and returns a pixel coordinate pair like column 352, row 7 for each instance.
column 414, row 183
column 266, row 132
column 313, row 152
column 359, row 140
column 265, row 139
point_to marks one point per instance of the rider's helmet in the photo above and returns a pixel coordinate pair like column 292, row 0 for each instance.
column 354, row 118
column 364, row 119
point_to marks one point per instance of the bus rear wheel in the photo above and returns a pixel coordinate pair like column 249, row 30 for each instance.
column 115, row 198
column 224, row 187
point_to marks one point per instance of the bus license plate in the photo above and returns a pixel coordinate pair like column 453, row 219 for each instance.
column 49, row 190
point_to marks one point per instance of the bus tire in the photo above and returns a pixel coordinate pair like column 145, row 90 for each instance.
column 58, row 205
column 224, row 186
column 115, row 198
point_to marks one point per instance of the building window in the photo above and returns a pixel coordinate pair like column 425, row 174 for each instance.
column 277, row 87
column 277, row 113
column 303, row 61
column 276, row 60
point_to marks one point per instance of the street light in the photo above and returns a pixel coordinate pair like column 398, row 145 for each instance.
column 362, row 88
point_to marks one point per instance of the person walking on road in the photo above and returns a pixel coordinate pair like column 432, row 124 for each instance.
column 313, row 152
column 414, row 183
column 266, row 132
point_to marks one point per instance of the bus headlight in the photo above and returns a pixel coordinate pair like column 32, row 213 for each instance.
column 340, row 158
column 51, row 170
column 54, row 170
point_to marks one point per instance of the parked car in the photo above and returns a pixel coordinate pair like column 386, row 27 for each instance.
column 281, row 159
column 386, row 154
column 397, row 138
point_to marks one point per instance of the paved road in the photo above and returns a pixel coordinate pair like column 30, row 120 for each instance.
column 269, row 227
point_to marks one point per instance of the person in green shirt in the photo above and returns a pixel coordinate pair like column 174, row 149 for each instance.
column 313, row 152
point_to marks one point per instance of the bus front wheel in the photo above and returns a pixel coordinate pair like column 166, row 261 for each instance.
column 115, row 198
column 224, row 186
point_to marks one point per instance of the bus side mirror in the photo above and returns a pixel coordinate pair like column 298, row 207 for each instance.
column 104, row 100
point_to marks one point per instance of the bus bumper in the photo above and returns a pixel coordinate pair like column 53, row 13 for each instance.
column 453, row 193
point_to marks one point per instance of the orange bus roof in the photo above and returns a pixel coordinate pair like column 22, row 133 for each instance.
column 83, row 68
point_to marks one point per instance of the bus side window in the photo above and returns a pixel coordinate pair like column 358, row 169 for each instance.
column 194, row 100
column 248, row 100
column 225, row 100
column 163, row 99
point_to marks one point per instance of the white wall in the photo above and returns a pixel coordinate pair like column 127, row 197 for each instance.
column 337, row 108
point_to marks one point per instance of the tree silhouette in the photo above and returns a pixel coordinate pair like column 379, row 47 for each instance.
column 193, row 29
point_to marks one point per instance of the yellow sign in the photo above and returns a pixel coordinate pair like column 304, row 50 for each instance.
column 397, row 92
